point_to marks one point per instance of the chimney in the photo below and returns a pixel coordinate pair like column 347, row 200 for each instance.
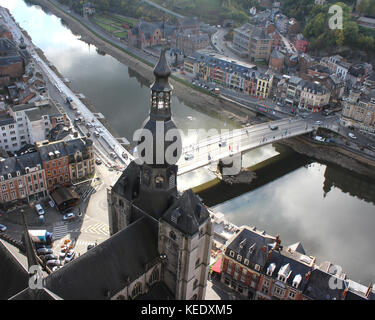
column 344, row 293
column 369, row 289
column 307, row 276
column 269, row 254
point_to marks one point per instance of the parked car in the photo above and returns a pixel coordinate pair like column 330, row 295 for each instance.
column 90, row 246
column 273, row 127
column 3, row 228
column 39, row 209
column 98, row 161
column 44, row 251
column 70, row 256
column 53, row 263
column 96, row 134
column 69, row 216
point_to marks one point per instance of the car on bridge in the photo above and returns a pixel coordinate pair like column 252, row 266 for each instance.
column 273, row 127
column 222, row 144
column 189, row 156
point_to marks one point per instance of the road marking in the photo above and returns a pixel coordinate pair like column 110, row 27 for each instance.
column 97, row 228
column 60, row 231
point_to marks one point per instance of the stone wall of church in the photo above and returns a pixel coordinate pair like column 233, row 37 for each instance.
column 188, row 258
column 141, row 285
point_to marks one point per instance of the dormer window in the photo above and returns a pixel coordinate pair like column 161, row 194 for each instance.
column 257, row 267
column 231, row 254
column 271, row 269
column 246, row 262
column 281, row 278
column 239, row 258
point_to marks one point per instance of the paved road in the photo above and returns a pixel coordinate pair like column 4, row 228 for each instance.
column 239, row 141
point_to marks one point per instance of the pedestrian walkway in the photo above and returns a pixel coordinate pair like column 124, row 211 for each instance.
column 60, row 231
column 97, row 228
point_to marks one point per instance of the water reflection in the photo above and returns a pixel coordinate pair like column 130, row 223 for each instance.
column 333, row 226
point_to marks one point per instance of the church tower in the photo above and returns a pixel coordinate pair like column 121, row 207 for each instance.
column 147, row 188
column 159, row 146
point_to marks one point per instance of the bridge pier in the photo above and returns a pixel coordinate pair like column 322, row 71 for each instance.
column 230, row 166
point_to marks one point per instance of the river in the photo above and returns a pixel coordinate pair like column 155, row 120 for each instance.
column 329, row 209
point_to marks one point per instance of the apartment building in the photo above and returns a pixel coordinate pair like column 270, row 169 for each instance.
column 252, row 41
column 28, row 123
column 213, row 67
column 258, row 267
column 264, row 85
column 359, row 110
column 314, row 96
column 22, row 178
column 66, row 162
column 289, row 90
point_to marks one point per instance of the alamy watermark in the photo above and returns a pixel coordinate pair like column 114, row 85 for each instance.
column 336, row 20
column 36, row 280
column 166, row 146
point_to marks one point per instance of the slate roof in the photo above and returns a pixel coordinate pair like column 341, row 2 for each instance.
column 276, row 54
column 14, row 277
column 65, row 148
column 6, row 119
column 187, row 213
column 252, row 245
column 13, row 164
column 297, row 247
column 318, row 286
column 282, row 259
column 106, row 267
column 35, row 294
column 213, row 59
column 159, row 291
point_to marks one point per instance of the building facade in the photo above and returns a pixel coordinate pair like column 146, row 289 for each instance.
column 359, row 111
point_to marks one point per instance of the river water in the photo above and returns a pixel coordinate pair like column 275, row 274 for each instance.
column 329, row 209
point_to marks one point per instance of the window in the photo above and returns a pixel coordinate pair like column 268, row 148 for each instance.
column 292, row 295
column 279, row 292
column 11, row 185
column 257, row 267
column 195, row 285
column 154, row 276
column 231, row 254
column 246, row 262
column 13, row 195
column 239, row 258
column 197, row 263
column 4, row 187
column 172, row 235
column 137, row 290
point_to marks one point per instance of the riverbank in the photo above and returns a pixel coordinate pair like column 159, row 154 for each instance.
column 332, row 154
column 204, row 102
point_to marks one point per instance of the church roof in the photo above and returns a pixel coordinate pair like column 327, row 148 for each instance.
column 159, row 291
column 106, row 269
column 14, row 277
column 187, row 213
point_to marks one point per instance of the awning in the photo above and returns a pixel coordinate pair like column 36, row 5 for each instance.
column 216, row 268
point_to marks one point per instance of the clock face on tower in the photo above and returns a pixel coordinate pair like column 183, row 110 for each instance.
column 159, row 181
